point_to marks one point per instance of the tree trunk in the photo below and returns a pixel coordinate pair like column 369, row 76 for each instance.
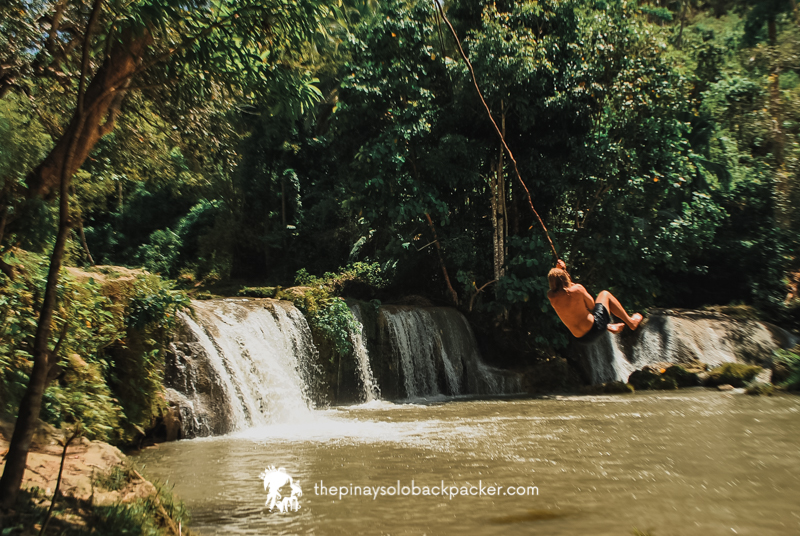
column 103, row 98
column 497, row 187
column 82, row 236
column 30, row 405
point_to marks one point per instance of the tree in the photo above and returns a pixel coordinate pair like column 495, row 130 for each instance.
column 98, row 53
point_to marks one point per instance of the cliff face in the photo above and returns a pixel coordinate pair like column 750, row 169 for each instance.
column 685, row 337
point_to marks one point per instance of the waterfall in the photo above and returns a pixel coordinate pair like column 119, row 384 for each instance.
column 607, row 362
column 247, row 364
column 238, row 363
column 684, row 337
column 438, row 355
column 370, row 390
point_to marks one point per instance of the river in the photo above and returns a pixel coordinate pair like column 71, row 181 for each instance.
column 691, row 462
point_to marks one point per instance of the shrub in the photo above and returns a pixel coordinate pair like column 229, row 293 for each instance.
column 259, row 292
column 112, row 326
column 643, row 380
column 328, row 316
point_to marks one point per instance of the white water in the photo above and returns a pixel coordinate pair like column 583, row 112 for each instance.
column 607, row 362
column 257, row 351
column 370, row 390
column 438, row 355
column 251, row 364
column 415, row 340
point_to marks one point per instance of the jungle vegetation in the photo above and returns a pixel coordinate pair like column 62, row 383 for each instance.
column 267, row 143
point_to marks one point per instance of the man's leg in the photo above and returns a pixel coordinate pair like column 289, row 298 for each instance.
column 615, row 308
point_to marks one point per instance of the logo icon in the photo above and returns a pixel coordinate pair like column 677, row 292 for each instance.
column 275, row 481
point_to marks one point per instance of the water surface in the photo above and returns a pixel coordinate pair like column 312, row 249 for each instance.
column 691, row 462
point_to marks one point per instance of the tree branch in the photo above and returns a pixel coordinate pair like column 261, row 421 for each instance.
column 93, row 17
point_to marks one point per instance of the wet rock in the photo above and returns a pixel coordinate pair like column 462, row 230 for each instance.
column 760, row 389
column 172, row 424
column 725, row 387
column 643, row 380
column 687, row 338
column 682, row 377
column 735, row 374
column 780, row 373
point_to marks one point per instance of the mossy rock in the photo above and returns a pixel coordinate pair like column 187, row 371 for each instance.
column 667, row 384
column 760, row 389
column 644, row 380
column 735, row 374
column 682, row 377
column 259, row 292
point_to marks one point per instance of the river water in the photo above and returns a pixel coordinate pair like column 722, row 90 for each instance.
column 690, row 462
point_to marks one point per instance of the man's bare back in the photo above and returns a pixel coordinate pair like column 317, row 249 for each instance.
column 576, row 307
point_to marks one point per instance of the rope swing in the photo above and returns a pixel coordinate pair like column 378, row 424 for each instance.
column 440, row 8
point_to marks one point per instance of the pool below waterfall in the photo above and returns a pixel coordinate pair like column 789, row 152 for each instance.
column 692, row 462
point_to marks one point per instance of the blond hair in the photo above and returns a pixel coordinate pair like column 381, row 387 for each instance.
column 559, row 279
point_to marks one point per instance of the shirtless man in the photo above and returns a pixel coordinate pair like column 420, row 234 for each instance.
column 586, row 318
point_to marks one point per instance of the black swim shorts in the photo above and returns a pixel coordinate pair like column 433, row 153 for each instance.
column 601, row 321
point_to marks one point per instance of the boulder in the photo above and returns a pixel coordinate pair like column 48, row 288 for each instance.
column 735, row 374
column 689, row 338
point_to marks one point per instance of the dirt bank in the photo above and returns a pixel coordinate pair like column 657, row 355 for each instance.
column 98, row 481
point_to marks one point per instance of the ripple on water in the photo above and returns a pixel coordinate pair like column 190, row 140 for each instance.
column 689, row 463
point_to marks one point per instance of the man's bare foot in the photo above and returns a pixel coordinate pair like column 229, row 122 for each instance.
column 636, row 319
column 616, row 328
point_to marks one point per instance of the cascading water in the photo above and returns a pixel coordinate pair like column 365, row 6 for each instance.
column 682, row 337
column 437, row 354
column 249, row 359
column 370, row 390
column 607, row 363
column 242, row 363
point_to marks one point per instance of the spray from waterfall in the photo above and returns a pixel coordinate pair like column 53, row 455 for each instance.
column 256, row 361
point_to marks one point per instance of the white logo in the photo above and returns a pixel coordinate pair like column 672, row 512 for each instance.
column 274, row 481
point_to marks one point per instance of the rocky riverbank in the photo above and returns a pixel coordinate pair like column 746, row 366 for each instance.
column 100, row 491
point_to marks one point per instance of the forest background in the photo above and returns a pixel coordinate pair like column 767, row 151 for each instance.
column 344, row 147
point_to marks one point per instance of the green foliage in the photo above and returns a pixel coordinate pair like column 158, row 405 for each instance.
column 115, row 479
column 329, row 316
column 140, row 517
column 791, row 361
column 259, row 292
column 154, row 304
column 112, row 332
column 735, row 374
column 161, row 253
column 659, row 143
column 370, row 274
